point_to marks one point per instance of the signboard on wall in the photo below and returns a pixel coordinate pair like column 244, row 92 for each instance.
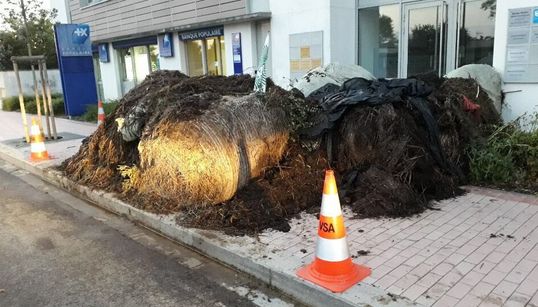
column 522, row 46
column 103, row 53
column 306, row 52
column 166, row 45
column 201, row 33
column 237, row 53
column 75, row 62
column 73, row 39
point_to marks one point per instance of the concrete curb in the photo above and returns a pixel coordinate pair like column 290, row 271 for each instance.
column 205, row 242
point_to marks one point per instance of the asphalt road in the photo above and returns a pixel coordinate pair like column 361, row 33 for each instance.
column 56, row 250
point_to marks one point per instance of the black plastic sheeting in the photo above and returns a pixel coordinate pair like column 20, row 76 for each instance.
column 362, row 92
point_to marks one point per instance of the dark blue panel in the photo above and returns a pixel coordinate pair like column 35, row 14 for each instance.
column 73, row 39
column 140, row 41
column 237, row 53
column 166, row 45
column 78, row 81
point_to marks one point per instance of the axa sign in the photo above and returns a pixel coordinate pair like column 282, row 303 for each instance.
column 80, row 34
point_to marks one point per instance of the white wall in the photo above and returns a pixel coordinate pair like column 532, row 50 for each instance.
column 110, row 76
column 336, row 18
column 296, row 16
column 343, row 34
column 248, row 47
column 526, row 97
column 8, row 82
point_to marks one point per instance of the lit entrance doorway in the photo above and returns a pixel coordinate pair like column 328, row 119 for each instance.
column 205, row 51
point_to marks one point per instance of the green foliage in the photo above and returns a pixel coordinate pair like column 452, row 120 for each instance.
column 509, row 157
column 13, row 40
column 58, row 106
column 12, row 104
column 91, row 111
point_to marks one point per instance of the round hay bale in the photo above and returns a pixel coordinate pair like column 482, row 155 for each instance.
column 485, row 75
column 207, row 158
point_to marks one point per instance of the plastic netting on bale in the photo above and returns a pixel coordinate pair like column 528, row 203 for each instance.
column 96, row 164
column 206, row 159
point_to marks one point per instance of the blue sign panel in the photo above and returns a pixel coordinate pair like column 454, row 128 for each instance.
column 237, row 54
column 73, row 39
column 166, row 45
column 535, row 15
column 75, row 62
column 103, row 53
column 202, row 33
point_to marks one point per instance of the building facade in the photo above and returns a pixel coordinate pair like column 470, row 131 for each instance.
column 390, row 38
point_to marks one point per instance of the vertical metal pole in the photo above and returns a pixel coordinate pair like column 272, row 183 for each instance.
column 49, row 97
column 46, row 107
column 21, row 102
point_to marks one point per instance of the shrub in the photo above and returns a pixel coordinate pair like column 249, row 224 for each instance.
column 12, row 104
column 31, row 107
column 509, row 157
column 91, row 111
column 58, row 106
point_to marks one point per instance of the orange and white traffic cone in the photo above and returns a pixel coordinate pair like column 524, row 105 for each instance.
column 37, row 143
column 332, row 268
column 100, row 113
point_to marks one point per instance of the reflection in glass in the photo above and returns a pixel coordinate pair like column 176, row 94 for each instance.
column 154, row 57
column 97, row 74
column 379, row 31
column 194, row 58
column 476, row 33
column 126, row 65
column 425, row 41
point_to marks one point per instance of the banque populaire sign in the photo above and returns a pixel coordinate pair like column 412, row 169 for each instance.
column 201, row 33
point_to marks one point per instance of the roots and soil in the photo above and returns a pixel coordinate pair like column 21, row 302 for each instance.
column 228, row 159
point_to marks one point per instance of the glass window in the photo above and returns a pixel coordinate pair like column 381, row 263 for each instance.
column 84, row 3
column 194, row 58
column 141, row 63
column 97, row 73
column 379, row 32
column 476, row 33
column 215, row 61
column 127, row 73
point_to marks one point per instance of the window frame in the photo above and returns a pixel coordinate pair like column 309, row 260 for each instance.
column 454, row 12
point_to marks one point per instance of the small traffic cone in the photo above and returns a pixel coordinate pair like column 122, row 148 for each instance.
column 37, row 144
column 100, row 113
column 332, row 268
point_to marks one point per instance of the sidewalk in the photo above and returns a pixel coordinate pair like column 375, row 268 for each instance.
column 480, row 249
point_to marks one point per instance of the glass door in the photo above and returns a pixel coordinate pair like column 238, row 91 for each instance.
column 141, row 63
column 424, row 39
column 476, row 30
column 97, row 74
